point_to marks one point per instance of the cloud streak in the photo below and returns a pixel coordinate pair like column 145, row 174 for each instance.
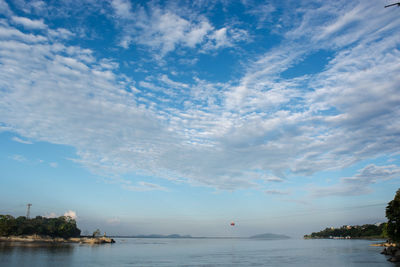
column 22, row 141
column 359, row 183
column 28, row 23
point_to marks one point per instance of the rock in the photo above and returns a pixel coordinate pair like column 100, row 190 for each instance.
column 97, row 240
column 394, row 259
column 395, row 253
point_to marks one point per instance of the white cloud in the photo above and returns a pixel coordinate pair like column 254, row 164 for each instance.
column 51, row 215
column 53, row 164
column 275, row 192
column 71, row 214
column 197, row 34
column 30, row 6
column 28, row 23
column 22, row 141
column 4, row 8
column 359, row 183
column 263, row 12
column 61, row 33
column 8, row 33
column 144, row 187
column 220, row 38
column 122, row 8
column 222, row 135
column 274, row 179
column 19, row 158
column 163, row 30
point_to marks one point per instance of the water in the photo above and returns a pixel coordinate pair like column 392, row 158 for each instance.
column 197, row 252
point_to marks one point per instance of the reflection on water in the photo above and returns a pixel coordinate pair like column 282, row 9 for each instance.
column 10, row 246
column 196, row 252
column 35, row 254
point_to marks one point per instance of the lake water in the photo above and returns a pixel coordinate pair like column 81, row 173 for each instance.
column 197, row 252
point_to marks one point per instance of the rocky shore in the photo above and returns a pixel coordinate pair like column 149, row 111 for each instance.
column 390, row 249
column 48, row 239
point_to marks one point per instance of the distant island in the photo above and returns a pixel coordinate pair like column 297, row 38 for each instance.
column 48, row 230
column 260, row 236
column 269, row 236
column 155, row 236
column 370, row 231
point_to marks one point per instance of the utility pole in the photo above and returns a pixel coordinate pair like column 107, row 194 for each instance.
column 28, row 210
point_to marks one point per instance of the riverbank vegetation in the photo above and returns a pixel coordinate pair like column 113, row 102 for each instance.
column 389, row 230
column 64, row 227
column 352, row 231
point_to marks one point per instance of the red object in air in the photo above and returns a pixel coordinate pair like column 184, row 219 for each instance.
column 232, row 224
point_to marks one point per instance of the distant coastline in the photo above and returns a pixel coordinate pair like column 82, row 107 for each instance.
column 155, row 236
column 178, row 236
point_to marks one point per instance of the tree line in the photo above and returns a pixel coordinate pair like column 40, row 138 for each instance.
column 356, row 231
column 63, row 226
column 390, row 229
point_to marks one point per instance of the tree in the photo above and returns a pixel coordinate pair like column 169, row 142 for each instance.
column 55, row 227
column 384, row 230
column 7, row 225
column 393, row 215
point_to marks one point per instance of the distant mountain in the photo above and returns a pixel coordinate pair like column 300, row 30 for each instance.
column 160, row 236
column 269, row 236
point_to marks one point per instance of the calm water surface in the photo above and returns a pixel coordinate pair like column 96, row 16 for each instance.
column 198, row 252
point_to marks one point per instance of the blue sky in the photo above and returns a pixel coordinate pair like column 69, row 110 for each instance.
column 165, row 117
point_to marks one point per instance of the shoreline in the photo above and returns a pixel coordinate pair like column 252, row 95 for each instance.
column 57, row 240
column 392, row 250
column 351, row 238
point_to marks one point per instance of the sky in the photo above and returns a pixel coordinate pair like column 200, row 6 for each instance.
column 162, row 117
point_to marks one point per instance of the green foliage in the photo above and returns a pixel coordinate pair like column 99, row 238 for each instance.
column 55, row 227
column 393, row 215
column 363, row 231
column 385, row 231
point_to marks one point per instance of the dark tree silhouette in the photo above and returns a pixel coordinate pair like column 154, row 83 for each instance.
column 55, row 227
column 393, row 215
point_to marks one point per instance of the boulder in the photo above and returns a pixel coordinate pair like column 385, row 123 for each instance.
column 395, row 253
